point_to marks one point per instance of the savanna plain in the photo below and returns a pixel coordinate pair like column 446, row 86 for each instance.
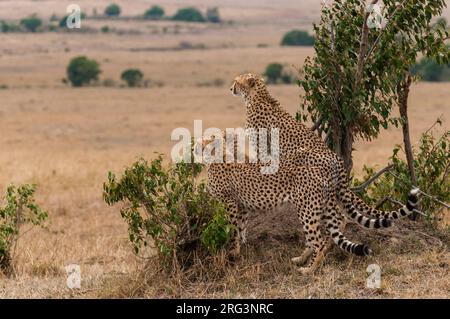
column 66, row 140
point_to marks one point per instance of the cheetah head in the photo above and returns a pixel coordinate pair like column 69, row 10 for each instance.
column 209, row 148
column 245, row 84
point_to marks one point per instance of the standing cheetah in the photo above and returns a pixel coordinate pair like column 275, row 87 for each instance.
column 263, row 111
column 243, row 188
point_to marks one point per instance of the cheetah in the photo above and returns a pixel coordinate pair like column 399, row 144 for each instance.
column 263, row 111
column 243, row 188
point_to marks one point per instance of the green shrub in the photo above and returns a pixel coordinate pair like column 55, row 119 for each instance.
column 9, row 27
column 212, row 15
column 31, row 23
column 429, row 70
column 297, row 38
column 166, row 209
column 82, row 71
column 133, row 77
column 273, row 72
column 154, row 13
column 432, row 167
column 54, row 18
column 113, row 10
column 189, row 14
column 105, row 29
column 19, row 209
column 63, row 21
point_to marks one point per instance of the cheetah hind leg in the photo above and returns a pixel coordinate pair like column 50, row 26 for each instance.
column 300, row 260
column 317, row 244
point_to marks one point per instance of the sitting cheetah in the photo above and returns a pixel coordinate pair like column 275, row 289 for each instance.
column 263, row 111
column 243, row 188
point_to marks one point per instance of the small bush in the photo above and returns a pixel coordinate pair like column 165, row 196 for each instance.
column 113, row 10
column 432, row 167
column 189, row 14
column 154, row 13
column 54, row 18
column 297, row 38
column 63, row 21
column 82, row 71
column 212, row 15
column 133, row 77
column 9, row 26
column 105, row 29
column 273, row 72
column 19, row 209
column 167, row 210
column 277, row 73
column 31, row 24
column 429, row 70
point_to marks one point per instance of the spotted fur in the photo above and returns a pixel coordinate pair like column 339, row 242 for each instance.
column 243, row 188
column 301, row 146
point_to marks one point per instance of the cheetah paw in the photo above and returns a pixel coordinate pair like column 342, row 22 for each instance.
column 305, row 270
column 299, row 260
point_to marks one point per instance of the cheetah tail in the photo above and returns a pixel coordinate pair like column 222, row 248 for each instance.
column 345, row 244
column 356, row 209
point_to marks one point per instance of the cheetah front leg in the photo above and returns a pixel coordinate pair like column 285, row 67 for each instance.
column 232, row 209
column 242, row 224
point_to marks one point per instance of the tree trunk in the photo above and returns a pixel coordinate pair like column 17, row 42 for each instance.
column 342, row 144
column 403, row 93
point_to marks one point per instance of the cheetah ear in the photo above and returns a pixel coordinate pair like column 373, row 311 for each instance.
column 251, row 82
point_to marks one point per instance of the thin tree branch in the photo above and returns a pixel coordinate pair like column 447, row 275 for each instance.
column 378, row 39
column 434, row 124
column 327, row 136
column 422, row 192
column 367, row 183
column 394, row 201
column 317, row 124
column 363, row 48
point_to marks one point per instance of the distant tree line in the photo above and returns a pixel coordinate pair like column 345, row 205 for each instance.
column 33, row 23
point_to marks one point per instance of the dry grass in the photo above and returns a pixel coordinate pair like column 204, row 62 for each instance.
column 65, row 140
column 264, row 270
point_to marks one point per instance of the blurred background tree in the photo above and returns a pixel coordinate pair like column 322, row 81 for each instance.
column 113, row 10
column 31, row 23
column 133, row 77
column 189, row 14
column 154, row 13
column 212, row 15
column 297, row 38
